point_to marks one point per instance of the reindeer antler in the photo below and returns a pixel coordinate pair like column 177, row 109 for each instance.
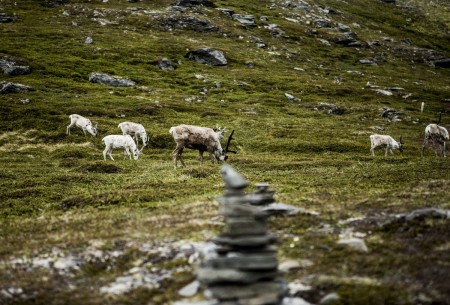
column 440, row 117
column 228, row 144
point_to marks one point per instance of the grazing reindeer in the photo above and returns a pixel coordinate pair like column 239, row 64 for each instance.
column 125, row 142
column 201, row 139
column 437, row 135
column 83, row 123
column 136, row 130
column 377, row 140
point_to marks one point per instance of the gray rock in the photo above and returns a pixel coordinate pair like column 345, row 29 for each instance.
column 88, row 40
column 292, row 98
column 226, row 11
column 330, row 108
column 275, row 288
column 252, row 261
column 14, row 88
column 210, row 276
column 366, row 61
column 322, row 23
column 190, row 289
column 330, row 298
column 442, row 63
column 207, row 56
column 238, row 226
column 189, row 22
column 425, row 213
column 354, row 244
column 294, row 301
column 7, row 18
column 191, row 3
column 232, row 179
column 389, row 113
column 165, row 64
column 246, row 20
column 109, row 80
column 10, row 67
column 246, row 241
column 278, row 208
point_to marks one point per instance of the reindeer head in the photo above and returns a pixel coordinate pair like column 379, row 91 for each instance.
column 92, row 129
column 137, row 152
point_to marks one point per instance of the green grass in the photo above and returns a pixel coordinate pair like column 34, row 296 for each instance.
column 57, row 192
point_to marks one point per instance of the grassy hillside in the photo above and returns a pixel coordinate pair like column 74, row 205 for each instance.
column 56, row 192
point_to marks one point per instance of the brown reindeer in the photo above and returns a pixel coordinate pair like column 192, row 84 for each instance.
column 201, row 139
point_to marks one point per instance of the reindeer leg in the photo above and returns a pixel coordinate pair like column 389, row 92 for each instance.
column 176, row 154
column 386, row 152
column 110, row 153
column 372, row 152
column 423, row 146
column 200, row 155
column 68, row 129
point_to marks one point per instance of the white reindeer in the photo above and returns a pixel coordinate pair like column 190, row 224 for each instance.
column 377, row 141
column 437, row 135
column 136, row 130
column 201, row 139
column 83, row 123
column 125, row 142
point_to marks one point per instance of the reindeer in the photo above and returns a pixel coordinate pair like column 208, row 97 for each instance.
column 125, row 142
column 377, row 140
column 136, row 130
column 201, row 139
column 437, row 135
column 83, row 123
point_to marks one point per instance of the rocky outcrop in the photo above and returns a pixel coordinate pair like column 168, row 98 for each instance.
column 109, row 80
column 8, row 87
column 208, row 56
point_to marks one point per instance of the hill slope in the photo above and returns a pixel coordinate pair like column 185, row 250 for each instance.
column 304, row 85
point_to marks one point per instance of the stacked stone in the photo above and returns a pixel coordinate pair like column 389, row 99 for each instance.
column 244, row 270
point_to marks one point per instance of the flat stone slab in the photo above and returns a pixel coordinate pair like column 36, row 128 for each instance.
column 212, row 276
column 244, row 261
column 246, row 241
column 273, row 288
column 238, row 226
column 109, row 80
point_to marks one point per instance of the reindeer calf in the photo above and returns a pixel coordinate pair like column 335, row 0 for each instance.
column 136, row 130
column 83, row 123
column 125, row 142
column 378, row 141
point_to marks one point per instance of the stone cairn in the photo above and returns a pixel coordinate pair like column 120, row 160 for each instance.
column 244, row 270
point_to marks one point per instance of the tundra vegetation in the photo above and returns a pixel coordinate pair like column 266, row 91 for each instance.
column 302, row 94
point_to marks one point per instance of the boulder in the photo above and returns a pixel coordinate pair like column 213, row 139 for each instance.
column 165, row 64
column 207, row 56
column 10, row 67
column 442, row 63
column 14, row 88
column 7, row 18
column 190, row 3
column 109, row 80
column 189, row 22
